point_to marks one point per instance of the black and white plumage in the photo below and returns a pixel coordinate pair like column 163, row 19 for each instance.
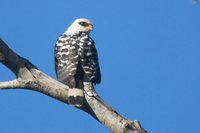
column 76, row 60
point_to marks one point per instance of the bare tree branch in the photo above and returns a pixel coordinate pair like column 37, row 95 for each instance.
column 10, row 84
column 29, row 77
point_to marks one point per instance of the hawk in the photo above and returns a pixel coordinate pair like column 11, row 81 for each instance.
column 76, row 60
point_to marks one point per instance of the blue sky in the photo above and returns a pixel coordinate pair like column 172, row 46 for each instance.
column 149, row 57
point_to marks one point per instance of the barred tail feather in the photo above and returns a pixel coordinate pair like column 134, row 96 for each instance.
column 75, row 97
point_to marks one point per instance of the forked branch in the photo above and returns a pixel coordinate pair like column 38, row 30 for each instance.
column 29, row 77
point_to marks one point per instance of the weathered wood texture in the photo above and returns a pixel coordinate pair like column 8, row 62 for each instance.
column 29, row 77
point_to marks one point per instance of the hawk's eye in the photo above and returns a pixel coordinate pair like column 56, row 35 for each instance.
column 84, row 24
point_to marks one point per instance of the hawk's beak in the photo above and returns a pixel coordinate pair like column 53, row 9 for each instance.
column 90, row 27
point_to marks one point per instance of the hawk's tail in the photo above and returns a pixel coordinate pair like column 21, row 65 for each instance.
column 75, row 97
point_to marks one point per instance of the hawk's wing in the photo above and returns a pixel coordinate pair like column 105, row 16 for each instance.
column 66, row 60
column 90, row 64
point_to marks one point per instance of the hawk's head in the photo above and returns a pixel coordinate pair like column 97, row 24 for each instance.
column 80, row 25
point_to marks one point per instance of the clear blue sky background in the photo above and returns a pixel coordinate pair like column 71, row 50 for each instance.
column 149, row 53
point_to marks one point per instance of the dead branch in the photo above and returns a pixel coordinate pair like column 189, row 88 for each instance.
column 29, row 77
